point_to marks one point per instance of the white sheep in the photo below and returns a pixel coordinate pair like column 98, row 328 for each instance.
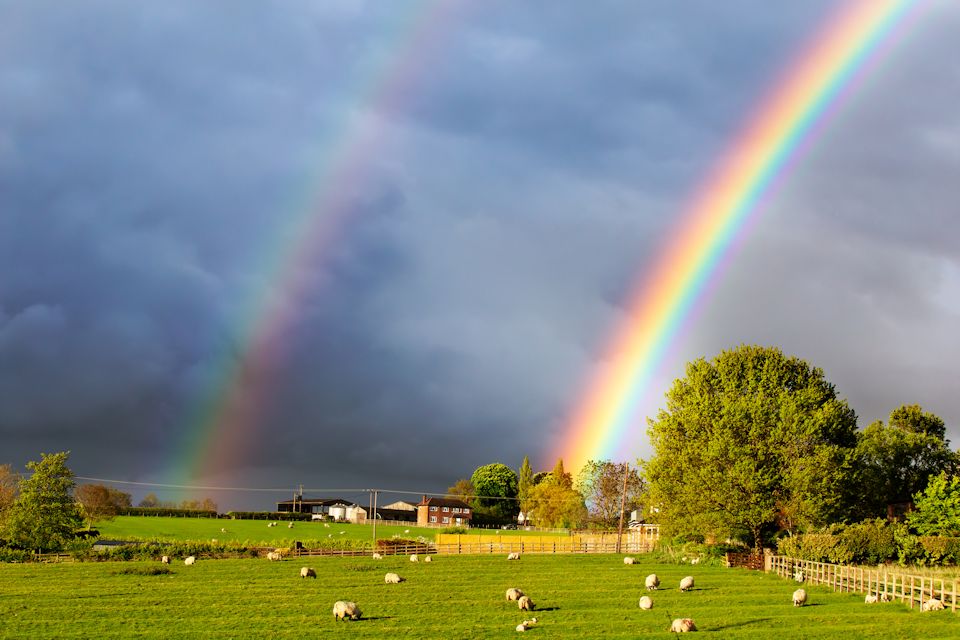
column 526, row 624
column 514, row 594
column 222, row 530
column 393, row 578
column 629, row 560
column 884, row 597
column 686, row 584
column 273, row 556
column 165, row 559
column 428, row 559
column 933, row 604
column 695, row 561
column 189, row 560
column 343, row 609
column 652, row 582
column 798, row 575
column 646, row 603
column 799, row 597
column 414, row 558
column 513, row 556
column 307, row 572
column 682, row 625
column 377, row 556
column 870, row 599
column 289, row 525
column 525, row 603
column 326, row 525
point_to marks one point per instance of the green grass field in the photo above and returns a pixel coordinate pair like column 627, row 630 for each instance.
column 578, row 596
column 256, row 532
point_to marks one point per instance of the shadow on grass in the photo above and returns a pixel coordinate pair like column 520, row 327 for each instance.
column 548, row 609
column 741, row 624
column 373, row 618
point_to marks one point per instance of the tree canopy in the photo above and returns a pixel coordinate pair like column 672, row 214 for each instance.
column 494, row 482
column 44, row 516
column 100, row 502
column 600, row 482
column 553, row 502
column 937, row 509
column 747, row 441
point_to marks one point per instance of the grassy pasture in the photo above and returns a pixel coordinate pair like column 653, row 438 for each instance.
column 578, row 596
column 257, row 533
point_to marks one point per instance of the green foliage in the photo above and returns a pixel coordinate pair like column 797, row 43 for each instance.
column 601, row 483
column 493, row 482
column 172, row 511
column 937, row 508
column 870, row 541
column 895, row 462
column 269, row 515
column 457, row 530
column 817, row 547
column 524, row 481
column 750, row 440
column 554, row 504
column 100, row 502
column 44, row 516
column 463, row 489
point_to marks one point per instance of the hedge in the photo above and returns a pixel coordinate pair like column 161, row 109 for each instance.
column 160, row 511
column 269, row 515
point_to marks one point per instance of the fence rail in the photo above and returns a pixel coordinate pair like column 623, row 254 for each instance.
column 886, row 585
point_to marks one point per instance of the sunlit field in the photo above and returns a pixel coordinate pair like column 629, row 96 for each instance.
column 577, row 596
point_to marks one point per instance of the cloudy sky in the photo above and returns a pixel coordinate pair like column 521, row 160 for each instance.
column 450, row 202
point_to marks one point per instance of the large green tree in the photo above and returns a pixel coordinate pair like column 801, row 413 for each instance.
column 553, row 502
column 895, row 461
column 937, row 511
column 496, row 487
column 601, row 483
column 748, row 441
column 44, row 516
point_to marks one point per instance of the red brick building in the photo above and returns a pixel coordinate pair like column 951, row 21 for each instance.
column 443, row 511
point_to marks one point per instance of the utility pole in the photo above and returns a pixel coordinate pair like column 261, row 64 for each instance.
column 374, row 520
column 623, row 503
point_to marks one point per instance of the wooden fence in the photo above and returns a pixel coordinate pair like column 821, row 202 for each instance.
column 886, row 585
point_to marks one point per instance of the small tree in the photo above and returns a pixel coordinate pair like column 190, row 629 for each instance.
column 99, row 502
column 937, row 508
column 555, row 504
column 9, row 480
column 45, row 516
column 462, row 489
column 601, row 484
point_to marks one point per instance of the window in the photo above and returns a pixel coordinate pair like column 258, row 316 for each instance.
column 433, row 518
column 445, row 509
column 446, row 520
column 456, row 509
column 466, row 510
column 433, row 508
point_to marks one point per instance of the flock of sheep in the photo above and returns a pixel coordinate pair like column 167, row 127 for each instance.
column 344, row 609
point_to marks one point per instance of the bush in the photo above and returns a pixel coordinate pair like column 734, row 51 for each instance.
column 269, row 515
column 457, row 530
column 158, row 511
column 870, row 541
column 14, row 555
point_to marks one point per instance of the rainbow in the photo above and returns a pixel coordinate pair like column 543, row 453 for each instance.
column 225, row 419
column 718, row 215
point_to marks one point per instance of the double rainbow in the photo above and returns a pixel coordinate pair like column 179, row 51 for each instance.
column 718, row 214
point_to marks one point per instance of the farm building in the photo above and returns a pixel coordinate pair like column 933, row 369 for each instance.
column 443, row 511
column 322, row 508
column 396, row 515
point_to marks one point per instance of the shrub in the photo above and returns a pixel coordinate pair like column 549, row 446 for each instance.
column 157, row 511
column 870, row 541
column 269, row 515
column 14, row 555
column 457, row 530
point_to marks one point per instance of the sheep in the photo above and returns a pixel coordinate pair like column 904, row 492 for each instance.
column 273, row 556
column 307, row 572
column 870, row 599
column 798, row 575
column 326, row 525
column 343, row 609
column 189, row 560
column 414, row 558
column 629, row 560
column 513, row 556
column 646, row 603
column 932, row 604
column 686, row 584
column 799, row 597
column 222, row 530
column 695, row 561
column 682, row 625
column 526, row 604
column 652, row 582
column 289, row 525
column 526, row 624
column 393, row 578
column 165, row 560
column 377, row 556
column 428, row 559
column 514, row 594
column 884, row 597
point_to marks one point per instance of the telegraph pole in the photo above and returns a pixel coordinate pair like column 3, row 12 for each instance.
column 374, row 520
column 623, row 502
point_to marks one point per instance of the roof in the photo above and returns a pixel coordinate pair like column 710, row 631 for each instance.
column 443, row 502
column 320, row 502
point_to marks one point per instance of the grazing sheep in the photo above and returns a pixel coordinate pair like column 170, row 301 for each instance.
column 377, row 556
column 682, row 625
column 629, row 560
column 189, row 560
column 165, row 559
column 695, row 561
column 222, row 530
column 884, row 597
column 326, row 525
column 393, row 578
column 652, row 582
column 343, row 609
column 870, row 599
column 274, row 556
column 526, row 624
column 646, row 603
column 414, row 558
column 514, row 594
column 428, row 559
column 513, row 556
column 525, row 603
column 686, row 584
column 307, row 572
column 932, row 605
column 406, row 530
column 289, row 525
column 799, row 597
column 798, row 575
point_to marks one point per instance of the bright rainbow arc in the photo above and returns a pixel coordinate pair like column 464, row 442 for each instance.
column 721, row 208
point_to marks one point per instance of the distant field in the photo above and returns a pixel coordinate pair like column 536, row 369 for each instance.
column 579, row 596
column 256, row 532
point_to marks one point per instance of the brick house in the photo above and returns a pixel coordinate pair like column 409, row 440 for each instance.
column 443, row 512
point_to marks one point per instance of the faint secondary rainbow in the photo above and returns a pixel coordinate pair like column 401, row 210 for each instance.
column 718, row 212
column 226, row 420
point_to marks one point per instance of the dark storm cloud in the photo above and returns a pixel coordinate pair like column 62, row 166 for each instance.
column 154, row 158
